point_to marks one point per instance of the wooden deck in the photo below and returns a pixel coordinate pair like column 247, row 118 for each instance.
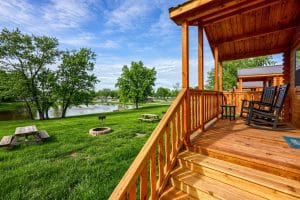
column 259, row 149
column 233, row 161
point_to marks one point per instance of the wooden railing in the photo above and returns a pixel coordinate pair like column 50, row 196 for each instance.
column 235, row 98
column 210, row 108
column 149, row 172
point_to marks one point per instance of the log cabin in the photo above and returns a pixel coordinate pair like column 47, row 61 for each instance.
column 192, row 154
column 255, row 78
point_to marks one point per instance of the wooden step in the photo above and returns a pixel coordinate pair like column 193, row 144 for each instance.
column 203, row 187
column 173, row 193
column 261, row 183
column 235, row 157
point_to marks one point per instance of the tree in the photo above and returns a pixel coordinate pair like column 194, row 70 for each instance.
column 176, row 89
column 47, row 84
column 136, row 83
column 75, row 81
column 162, row 92
column 230, row 69
column 26, row 56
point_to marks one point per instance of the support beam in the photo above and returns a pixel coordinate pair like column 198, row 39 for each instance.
column 216, row 80
column 256, row 34
column 185, row 55
column 200, row 74
column 229, row 12
column 185, row 81
column 240, row 89
column 221, row 77
column 200, row 58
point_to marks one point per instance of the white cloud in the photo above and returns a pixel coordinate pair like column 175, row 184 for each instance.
column 16, row 12
column 128, row 13
column 67, row 14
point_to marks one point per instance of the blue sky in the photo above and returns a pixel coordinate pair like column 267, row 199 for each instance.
column 118, row 31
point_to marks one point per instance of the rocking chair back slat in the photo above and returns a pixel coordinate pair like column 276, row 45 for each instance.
column 282, row 92
column 268, row 95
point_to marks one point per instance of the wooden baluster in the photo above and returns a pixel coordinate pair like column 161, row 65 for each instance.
column 174, row 149
column 153, row 173
column 132, row 192
column 161, row 161
column 144, row 184
column 192, row 111
column 168, row 143
column 179, row 126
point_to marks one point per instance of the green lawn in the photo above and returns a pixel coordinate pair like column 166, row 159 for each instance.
column 72, row 164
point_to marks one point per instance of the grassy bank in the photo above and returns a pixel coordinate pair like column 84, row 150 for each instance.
column 72, row 164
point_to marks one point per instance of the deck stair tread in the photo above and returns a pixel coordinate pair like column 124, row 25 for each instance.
column 263, row 183
column 173, row 193
column 184, row 178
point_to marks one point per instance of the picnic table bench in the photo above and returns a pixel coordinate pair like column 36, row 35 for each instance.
column 149, row 118
column 10, row 140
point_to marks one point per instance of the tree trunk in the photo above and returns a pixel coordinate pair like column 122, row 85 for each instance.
column 136, row 104
column 47, row 112
column 64, row 109
column 29, row 110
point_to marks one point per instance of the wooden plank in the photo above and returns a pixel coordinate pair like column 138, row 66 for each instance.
column 200, row 58
column 221, row 77
column 6, row 140
column 173, row 193
column 251, row 180
column 210, row 186
column 174, row 146
column 153, row 175
column 132, row 192
column 144, row 184
column 216, row 79
column 185, row 55
column 168, row 143
column 43, row 134
column 161, row 162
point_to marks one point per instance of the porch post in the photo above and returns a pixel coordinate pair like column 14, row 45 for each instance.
column 185, row 55
column 216, row 80
column 185, row 80
column 221, row 77
column 240, row 85
column 200, row 74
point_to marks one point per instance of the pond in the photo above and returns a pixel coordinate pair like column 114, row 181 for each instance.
column 54, row 112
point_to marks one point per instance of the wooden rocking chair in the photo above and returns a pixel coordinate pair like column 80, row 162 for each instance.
column 269, row 117
column 266, row 100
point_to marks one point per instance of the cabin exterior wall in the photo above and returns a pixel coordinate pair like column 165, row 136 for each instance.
column 294, row 91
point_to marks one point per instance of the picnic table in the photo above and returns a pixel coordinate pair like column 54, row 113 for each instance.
column 149, row 118
column 24, row 131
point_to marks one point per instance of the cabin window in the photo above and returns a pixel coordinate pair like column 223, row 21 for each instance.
column 297, row 71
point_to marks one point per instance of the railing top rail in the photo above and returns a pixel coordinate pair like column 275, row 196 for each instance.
column 140, row 161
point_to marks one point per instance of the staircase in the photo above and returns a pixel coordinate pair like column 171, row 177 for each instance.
column 198, row 176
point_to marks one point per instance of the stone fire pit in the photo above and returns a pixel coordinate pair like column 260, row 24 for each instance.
column 99, row 131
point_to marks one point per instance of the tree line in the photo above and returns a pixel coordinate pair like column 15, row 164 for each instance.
column 35, row 71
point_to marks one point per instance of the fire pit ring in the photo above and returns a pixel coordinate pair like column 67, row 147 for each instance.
column 99, row 131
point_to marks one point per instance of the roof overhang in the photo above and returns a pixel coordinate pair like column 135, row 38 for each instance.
column 242, row 28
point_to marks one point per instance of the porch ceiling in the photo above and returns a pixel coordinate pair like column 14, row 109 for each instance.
column 242, row 28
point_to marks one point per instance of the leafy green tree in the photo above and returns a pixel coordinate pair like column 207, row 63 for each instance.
column 75, row 79
column 136, row 83
column 47, row 85
column 230, row 69
column 27, row 56
column 163, row 93
column 176, row 89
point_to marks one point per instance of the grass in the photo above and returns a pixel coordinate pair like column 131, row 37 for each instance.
column 4, row 106
column 73, row 164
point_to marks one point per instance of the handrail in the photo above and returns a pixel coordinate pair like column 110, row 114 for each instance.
column 168, row 137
